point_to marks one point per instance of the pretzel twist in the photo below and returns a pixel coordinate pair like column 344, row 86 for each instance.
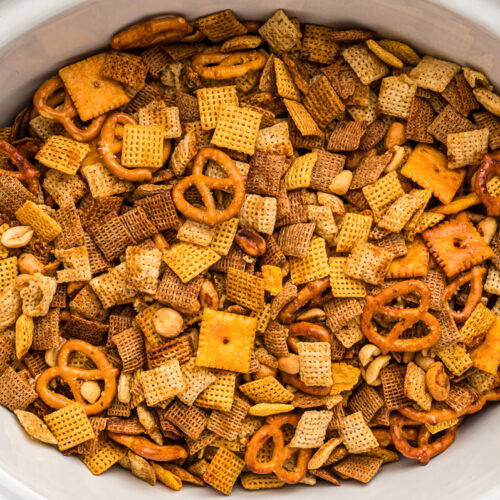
column 281, row 452
column 312, row 290
column 489, row 165
column 204, row 184
column 165, row 29
column 147, row 449
column 219, row 66
column 68, row 112
column 27, row 172
column 105, row 371
column 408, row 316
column 475, row 276
column 424, row 450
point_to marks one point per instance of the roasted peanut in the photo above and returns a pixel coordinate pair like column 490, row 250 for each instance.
column 437, row 381
column 341, row 182
column 264, row 371
column 167, row 322
column 251, row 242
column 123, row 389
column 423, row 361
column 487, row 228
column 367, row 352
column 17, row 236
column 208, row 295
column 90, row 391
column 333, row 202
column 289, row 364
column 396, row 135
column 314, row 314
column 29, row 264
column 373, row 370
column 396, row 160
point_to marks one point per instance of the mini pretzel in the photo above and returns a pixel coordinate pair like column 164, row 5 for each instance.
column 313, row 390
column 204, row 184
column 27, row 172
column 489, row 165
column 424, row 450
column 408, row 316
column 312, row 290
column 108, row 148
column 165, row 29
column 219, row 66
column 306, row 329
column 281, row 452
column 474, row 275
column 147, row 449
column 105, row 371
column 66, row 115
column 384, row 438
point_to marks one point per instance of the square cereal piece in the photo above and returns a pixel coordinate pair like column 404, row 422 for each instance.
column 125, row 68
column 107, row 455
column 142, row 146
column 485, row 119
column 285, row 85
column 414, row 264
column 456, row 359
column 415, row 387
column 211, row 100
column 226, row 341
column 15, row 392
column 70, row 426
column 91, row 93
column 456, row 245
column 366, row 400
column 43, row 128
column 157, row 113
column 12, row 194
column 299, row 173
column 400, row 212
column 220, row 26
column 420, row 117
column 323, row 218
column 251, row 481
column 275, row 139
column 368, row 263
column 155, row 59
column 112, row 237
column 424, row 221
column 394, row 243
column 367, row 66
column 373, row 136
column 197, row 380
column 466, row 148
column 72, row 233
column 189, row 419
column 44, row 226
column 311, row 429
column 110, row 287
column 477, row 325
column 315, row 363
column 63, row 154
column 130, row 345
column 8, row 271
column 163, row 382
column 76, row 264
column 196, row 232
column 224, row 470
column 396, row 95
column 219, row 395
column 355, row 227
column 361, row 468
column 459, row 94
column 87, row 304
column 317, row 44
column 142, row 269
column 313, row 266
column 322, row 102
column 245, row 289
column 428, row 167
column 326, row 168
column 393, row 381
column 340, row 311
column 145, row 322
column 266, row 390
column 64, row 188
column 449, row 121
column 341, row 284
column 223, row 236
column 358, row 438
column 301, row 118
column 160, row 210
column 259, row 213
column 183, row 153
column 136, row 222
column 294, row 240
column 382, row 193
column 188, row 260
column 368, row 171
column 492, row 283
column 229, row 424
column 346, row 136
column 178, row 348
column 280, row 32
column 434, row 74
column 237, row 129
column 265, row 173
column 367, row 113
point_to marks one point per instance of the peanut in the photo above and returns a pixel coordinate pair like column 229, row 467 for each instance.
column 251, row 242
column 396, row 135
column 91, row 391
column 396, row 160
column 487, row 228
column 423, row 361
column 367, row 352
column 314, row 314
column 373, row 371
column 208, row 295
column 289, row 364
column 437, row 381
column 17, row 237
column 168, row 322
column 29, row 264
column 264, row 371
column 341, row 182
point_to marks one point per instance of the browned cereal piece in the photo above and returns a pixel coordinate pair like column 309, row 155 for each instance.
column 266, row 390
column 434, row 74
column 360, row 468
column 358, row 438
column 368, row 263
column 466, row 148
column 313, row 266
column 219, row 395
column 160, row 210
column 367, row 66
column 178, row 348
column 415, row 387
column 45, row 227
column 280, row 32
column 220, row 26
column 228, row 424
column 15, row 393
column 130, row 345
column 210, row 100
column 163, row 382
column 125, row 68
column 369, row 170
column 355, row 227
column 62, row 154
column 448, row 121
column 393, row 378
column 346, row 136
column 322, row 102
column 420, row 117
column 395, row 96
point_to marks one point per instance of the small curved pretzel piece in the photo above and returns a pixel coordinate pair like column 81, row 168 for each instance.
column 306, row 329
column 313, row 390
column 145, row 448
column 490, row 165
column 218, row 66
column 408, row 317
column 165, row 29
column 281, row 452
column 475, row 276
column 311, row 291
column 68, row 112
column 72, row 376
column 27, row 172
column 204, row 184
column 424, row 450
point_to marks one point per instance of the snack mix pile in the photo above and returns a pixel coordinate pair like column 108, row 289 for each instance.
column 256, row 251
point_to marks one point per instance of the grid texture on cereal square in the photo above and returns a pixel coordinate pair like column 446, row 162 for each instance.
column 219, row 395
column 188, row 260
column 91, row 93
column 87, row 304
column 358, row 438
column 197, row 380
column 107, row 455
column 229, row 424
column 346, row 136
column 46, row 332
column 459, row 94
column 237, row 129
column 299, row 173
column 367, row 113
column 44, row 226
column 456, row 358
column 395, row 96
column 143, row 98
column 341, row 284
column 449, row 121
column 420, row 117
column 393, row 379
column 112, row 238
column 485, row 119
column 142, row 146
column 285, row 84
column 393, row 243
column 434, row 74
column 327, row 166
column 160, row 210
column 317, row 44
column 369, row 170
column 275, row 139
column 157, row 113
column 368, row 263
column 138, row 224
column 301, row 118
column 373, row 135
column 163, row 382
column 366, row 400
column 415, row 387
column 467, row 148
column 477, row 324
column 325, row 222
column 178, row 348
column 226, row 341
column 311, row 429
column 15, row 393
column 294, row 239
column 72, row 231
column 382, row 193
column 322, row 102
column 8, row 271
column 130, row 345
column 360, row 468
column 355, row 227
column 191, row 420
column 313, row 266
column 125, row 68
column 76, row 264
column 259, row 213
column 264, row 173
column 99, row 207
column 92, row 332
column 223, row 237
column 266, row 390
column 400, row 212
column 211, row 99
column 280, row 32
column 224, row 470
column 142, row 269
column 340, row 311
column 63, row 154
column 367, row 66
column 145, row 321
column 220, row 26
column 315, row 363
column 64, row 188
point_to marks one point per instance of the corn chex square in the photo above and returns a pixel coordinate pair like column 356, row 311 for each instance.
column 224, row 470
column 142, row 146
column 467, row 148
column 299, row 174
column 226, row 341
column 163, row 382
column 315, row 363
column 63, row 154
column 358, row 437
column 355, row 227
column 280, row 32
column 188, row 260
column 368, row 263
column 245, row 289
column 434, row 74
column 343, row 285
column 157, row 113
column 266, row 390
column 211, row 100
column 311, row 429
column 313, row 266
column 45, row 227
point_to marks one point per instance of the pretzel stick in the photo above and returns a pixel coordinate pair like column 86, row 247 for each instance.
column 219, row 66
column 149, row 450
